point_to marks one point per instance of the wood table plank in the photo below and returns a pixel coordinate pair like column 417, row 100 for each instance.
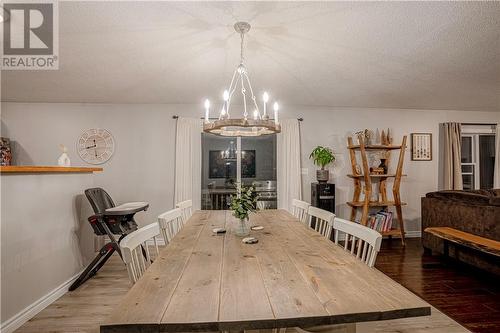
column 244, row 299
column 479, row 243
column 289, row 294
column 341, row 283
column 292, row 277
column 196, row 298
column 148, row 299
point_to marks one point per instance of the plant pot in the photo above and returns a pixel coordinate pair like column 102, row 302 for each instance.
column 322, row 176
column 242, row 228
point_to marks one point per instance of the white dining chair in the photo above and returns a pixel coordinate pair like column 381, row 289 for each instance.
column 187, row 209
column 361, row 241
column 170, row 223
column 299, row 210
column 136, row 252
column 323, row 220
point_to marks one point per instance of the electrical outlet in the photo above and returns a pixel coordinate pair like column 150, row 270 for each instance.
column 304, row 171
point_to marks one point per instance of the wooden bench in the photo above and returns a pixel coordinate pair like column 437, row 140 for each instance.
column 450, row 235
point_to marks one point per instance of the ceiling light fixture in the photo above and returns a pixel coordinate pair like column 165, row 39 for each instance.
column 255, row 125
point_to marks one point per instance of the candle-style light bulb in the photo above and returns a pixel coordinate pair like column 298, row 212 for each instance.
column 255, row 114
column 207, row 110
column 276, row 108
column 225, row 95
column 265, row 97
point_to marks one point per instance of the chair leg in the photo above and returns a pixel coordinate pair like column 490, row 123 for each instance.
column 96, row 264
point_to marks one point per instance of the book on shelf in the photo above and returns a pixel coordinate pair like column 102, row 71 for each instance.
column 381, row 221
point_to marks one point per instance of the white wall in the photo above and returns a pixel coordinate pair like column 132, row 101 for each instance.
column 45, row 240
column 143, row 165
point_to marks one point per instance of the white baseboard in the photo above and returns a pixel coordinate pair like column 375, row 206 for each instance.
column 16, row 321
column 413, row 234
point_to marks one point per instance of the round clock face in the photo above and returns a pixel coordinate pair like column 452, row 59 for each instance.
column 96, row 146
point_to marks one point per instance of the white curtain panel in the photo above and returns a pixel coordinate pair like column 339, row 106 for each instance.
column 288, row 163
column 452, row 156
column 496, row 179
column 188, row 161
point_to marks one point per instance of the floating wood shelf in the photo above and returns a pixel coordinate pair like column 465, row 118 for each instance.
column 375, row 204
column 363, row 203
column 373, row 176
column 374, row 147
column 46, row 169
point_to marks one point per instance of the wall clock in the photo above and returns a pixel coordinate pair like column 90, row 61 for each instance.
column 96, row 146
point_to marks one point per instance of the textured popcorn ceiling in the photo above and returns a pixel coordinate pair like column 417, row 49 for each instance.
column 422, row 55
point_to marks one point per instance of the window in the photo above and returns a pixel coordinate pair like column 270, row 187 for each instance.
column 229, row 160
column 478, row 156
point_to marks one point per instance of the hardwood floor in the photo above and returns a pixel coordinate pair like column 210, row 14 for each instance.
column 85, row 308
column 469, row 296
column 466, row 296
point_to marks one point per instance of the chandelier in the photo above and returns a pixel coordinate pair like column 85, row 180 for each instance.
column 257, row 123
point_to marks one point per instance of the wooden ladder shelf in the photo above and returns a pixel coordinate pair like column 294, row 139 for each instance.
column 364, row 203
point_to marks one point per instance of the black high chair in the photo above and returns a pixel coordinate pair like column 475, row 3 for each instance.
column 108, row 220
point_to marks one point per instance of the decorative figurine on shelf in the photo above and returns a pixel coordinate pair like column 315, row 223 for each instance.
column 383, row 165
column 63, row 160
column 365, row 136
column 5, row 152
column 383, row 138
column 377, row 137
column 244, row 202
column 322, row 156
column 357, row 170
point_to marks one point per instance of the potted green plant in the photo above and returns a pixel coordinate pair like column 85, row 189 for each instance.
column 322, row 156
column 242, row 204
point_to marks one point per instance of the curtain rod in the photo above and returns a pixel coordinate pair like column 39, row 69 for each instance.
column 177, row 117
column 480, row 124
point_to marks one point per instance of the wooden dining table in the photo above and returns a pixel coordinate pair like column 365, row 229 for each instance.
column 202, row 281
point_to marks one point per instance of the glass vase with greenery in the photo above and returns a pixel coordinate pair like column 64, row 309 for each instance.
column 322, row 156
column 242, row 204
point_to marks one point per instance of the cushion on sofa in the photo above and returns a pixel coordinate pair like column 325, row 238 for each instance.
column 480, row 197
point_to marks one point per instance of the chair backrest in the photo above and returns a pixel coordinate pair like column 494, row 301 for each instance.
column 299, row 210
column 323, row 220
column 135, row 250
column 99, row 199
column 170, row 223
column 361, row 241
column 186, row 208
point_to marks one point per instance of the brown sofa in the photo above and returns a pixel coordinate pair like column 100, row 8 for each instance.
column 475, row 212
